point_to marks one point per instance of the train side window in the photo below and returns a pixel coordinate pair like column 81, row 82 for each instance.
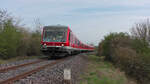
column 78, row 42
column 75, row 41
column 69, row 36
column 72, row 37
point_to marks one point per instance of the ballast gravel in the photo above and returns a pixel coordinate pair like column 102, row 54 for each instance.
column 15, row 63
column 12, row 73
column 55, row 74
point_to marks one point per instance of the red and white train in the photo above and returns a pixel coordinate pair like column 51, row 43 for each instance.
column 60, row 41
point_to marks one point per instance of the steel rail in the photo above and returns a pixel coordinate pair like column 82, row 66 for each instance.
column 25, row 74
column 18, row 66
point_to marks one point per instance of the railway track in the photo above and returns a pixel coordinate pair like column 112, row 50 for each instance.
column 27, row 73
column 18, row 66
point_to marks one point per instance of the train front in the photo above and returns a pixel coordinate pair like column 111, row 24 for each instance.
column 54, row 40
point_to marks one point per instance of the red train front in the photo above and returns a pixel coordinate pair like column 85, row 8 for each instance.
column 60, row 41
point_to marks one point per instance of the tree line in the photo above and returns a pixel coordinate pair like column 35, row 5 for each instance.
column 16, row 40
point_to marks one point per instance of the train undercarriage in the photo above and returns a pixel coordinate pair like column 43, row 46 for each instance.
column 54, row 52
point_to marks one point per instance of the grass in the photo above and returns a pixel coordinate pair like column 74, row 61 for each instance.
column 17, row 59
column 102, row 72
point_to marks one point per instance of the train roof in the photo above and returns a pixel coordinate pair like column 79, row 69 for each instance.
column 55, row 26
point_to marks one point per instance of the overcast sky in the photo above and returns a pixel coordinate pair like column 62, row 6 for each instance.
column 90, row 20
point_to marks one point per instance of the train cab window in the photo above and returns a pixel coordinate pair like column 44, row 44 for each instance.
column 55, row 35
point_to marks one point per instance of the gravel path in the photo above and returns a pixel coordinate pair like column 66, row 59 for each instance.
column 54, row 74
column 12, row 73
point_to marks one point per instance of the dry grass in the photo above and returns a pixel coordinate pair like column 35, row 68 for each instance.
column 101, row 72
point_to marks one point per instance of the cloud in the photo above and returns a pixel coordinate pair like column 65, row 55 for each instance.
column 90, row 20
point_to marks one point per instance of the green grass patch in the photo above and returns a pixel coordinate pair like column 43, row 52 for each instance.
column 102, row 72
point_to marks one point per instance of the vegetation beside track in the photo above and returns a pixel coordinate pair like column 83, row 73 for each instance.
column 15, row 39
column 99, row 71
column 129, row 52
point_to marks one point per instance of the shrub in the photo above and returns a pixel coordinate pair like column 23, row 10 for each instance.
column 9, row 39
column 34, row 45
column 130, row 54
column 111, row 42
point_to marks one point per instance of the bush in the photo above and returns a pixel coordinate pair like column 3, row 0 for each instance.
column 34, row 45
column 130, row 54
column 111, row 42
column 9, row 39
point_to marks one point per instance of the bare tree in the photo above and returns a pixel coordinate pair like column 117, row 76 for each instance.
column 38, row 25
column 142, row 31
column 5, row 17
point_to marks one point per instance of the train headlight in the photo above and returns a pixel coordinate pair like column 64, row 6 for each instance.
column 44, row 46
column 62, row 44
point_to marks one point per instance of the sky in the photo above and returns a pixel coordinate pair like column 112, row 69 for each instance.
column 90, row 20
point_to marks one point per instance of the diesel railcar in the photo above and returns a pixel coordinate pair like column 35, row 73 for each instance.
column 60, row 41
